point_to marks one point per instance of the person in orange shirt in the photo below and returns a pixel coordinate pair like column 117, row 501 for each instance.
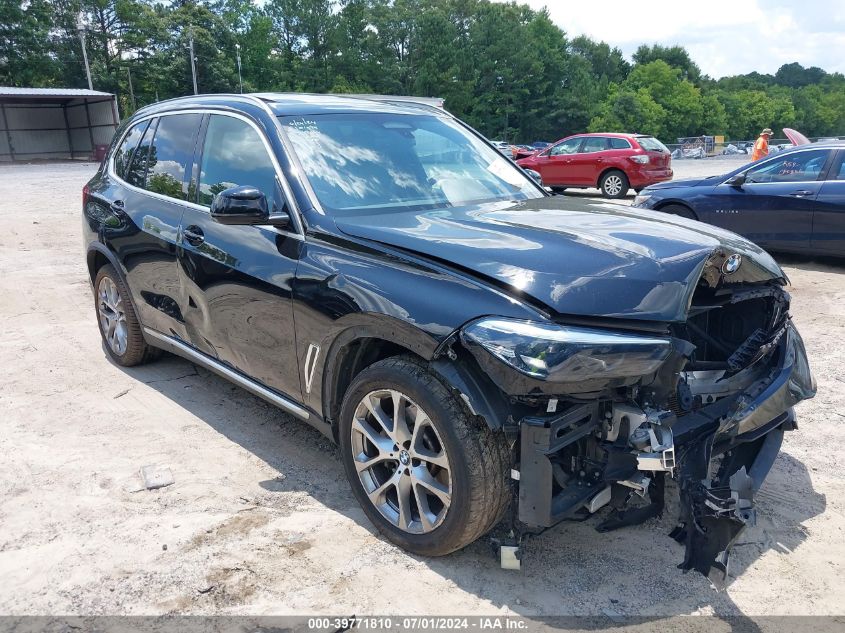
column 761, row 147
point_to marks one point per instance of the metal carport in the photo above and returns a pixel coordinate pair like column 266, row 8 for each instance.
column 41, row 123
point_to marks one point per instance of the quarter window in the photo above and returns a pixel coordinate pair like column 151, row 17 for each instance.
column 171, row 153
column 793, row 167
column 619, row 143
column 234, row 155
column 127, row 146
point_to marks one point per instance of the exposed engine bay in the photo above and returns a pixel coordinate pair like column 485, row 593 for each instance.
column 712, row 418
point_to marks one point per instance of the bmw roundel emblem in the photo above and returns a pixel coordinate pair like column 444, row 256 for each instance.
column 731, row 264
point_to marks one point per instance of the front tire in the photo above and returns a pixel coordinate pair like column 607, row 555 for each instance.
column 614, row 184
column 118, row 324
column 429, row 477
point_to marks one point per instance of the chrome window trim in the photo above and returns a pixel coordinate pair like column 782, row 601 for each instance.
column 770, row 158
column 291, row 202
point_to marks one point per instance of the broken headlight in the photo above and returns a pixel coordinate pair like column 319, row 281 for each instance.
column 559, row 353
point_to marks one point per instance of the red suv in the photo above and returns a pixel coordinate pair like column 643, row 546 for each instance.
column 612, row 162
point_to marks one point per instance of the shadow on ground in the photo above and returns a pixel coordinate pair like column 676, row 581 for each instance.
column 568, row 570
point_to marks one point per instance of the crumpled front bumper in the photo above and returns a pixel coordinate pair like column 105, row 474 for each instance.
column 714, row 513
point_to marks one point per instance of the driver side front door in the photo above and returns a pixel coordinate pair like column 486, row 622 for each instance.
column 774, row 206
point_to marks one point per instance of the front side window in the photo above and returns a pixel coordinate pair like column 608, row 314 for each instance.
column 171, row 153
column 594, row 144
column 567, row 147
column 127, row 146
column 234, row 155
column 365, row 162
column 795, row 167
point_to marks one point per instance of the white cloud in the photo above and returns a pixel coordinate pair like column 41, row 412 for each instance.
column 724, row 37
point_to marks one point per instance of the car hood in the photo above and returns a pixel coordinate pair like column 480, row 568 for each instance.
column 573, row 257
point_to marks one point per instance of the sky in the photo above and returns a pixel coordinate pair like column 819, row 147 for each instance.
column 724, row 37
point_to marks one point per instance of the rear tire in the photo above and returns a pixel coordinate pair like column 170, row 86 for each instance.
column 680, row 210
column 118, row 324
column 558, row 190
column 614, row 184
column 432, row 479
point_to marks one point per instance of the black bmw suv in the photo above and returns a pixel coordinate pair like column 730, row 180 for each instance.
column 480, row 350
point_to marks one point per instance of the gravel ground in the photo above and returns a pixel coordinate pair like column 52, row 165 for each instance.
column 260, row 519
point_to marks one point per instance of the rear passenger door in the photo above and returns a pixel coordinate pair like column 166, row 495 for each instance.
column 237, row 280
column 152, row 193
column 585, row 166
column 829, row 216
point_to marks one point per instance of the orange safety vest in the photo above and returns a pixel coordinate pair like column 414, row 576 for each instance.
column 761, row 148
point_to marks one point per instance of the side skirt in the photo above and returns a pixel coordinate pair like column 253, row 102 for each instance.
column 179, row 348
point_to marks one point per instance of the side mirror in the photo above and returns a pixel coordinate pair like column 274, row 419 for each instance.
column 535, row 175
column 245, row 205
column 240, row 205
column 736, row 181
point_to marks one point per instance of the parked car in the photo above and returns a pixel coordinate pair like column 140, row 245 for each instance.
column 793, row 201
column 612, row 162
column 504, row 147
column 478, row 348
column 523, row 151
column 540, row 144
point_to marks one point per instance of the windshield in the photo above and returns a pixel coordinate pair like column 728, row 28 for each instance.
column 360, row 163
column 651, row 144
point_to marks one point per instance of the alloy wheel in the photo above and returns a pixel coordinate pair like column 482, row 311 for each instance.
column 401, row 461
column 613, row 185
column 112, row 316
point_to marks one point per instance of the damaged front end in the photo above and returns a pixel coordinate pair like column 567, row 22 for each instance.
column 601, row 418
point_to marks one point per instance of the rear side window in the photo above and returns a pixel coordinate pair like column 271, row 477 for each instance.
column 127, row 146
column 838, row 173
column 171, row 153
column 619, row 143
column 594, row 144
column 138, row 165
column 651, row 144
column 234, row 155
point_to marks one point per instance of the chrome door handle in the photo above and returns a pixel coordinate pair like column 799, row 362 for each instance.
column 801, row 193
column 193, row 235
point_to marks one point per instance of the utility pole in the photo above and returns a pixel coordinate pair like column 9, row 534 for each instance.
column 80, row 28
column 131, row 90
column 238, row 56
column 193, row 61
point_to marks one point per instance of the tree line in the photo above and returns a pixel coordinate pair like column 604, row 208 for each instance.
column 506, row 69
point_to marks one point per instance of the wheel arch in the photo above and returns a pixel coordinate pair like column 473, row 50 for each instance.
column 98, row 256
column 609, row 169
column 677, row 203
column 359, row 346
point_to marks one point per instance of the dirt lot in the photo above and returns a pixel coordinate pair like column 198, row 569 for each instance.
column 260, row 519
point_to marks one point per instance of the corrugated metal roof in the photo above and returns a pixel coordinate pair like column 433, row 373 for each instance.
column 70, row 93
